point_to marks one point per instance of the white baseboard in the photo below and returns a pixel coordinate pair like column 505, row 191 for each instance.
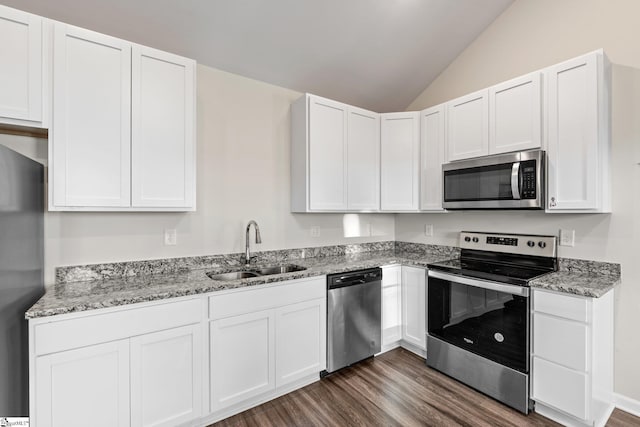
column 413, row 349
column 627, row 404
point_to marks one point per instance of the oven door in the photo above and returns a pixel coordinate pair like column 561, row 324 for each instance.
column 489, row 319
column 508, row 181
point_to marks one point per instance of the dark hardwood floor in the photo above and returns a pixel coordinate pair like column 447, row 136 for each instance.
column 394, row 389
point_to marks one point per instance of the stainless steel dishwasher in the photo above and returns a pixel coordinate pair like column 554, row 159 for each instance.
column 354, row 306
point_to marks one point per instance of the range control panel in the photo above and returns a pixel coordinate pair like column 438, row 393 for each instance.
column 523, row 244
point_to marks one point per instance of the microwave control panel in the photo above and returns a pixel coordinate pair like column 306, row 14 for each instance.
column 528, row 173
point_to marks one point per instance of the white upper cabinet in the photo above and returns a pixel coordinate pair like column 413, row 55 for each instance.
column 327, row 154
column 90, row 150
column 123, row 134
column 515, row 115
column 432, row 147
column 363, row 160
column 467, row 126
column 577, row 104
column 335, row 157
column 162, row 128
column 21, row 68
column 400, row 162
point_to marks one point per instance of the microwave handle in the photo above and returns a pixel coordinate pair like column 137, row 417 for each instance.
column 515, row 181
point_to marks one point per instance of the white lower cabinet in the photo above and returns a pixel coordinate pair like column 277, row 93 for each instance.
column 166, row 377
column 572, row 357
column 242, row 357
column 414, row 284
column 300, row 338
column 391, row 306
column 84, row 386
column 264, row 342
column 138, row 366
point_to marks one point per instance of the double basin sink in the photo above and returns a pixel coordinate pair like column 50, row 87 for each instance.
column 256, row 272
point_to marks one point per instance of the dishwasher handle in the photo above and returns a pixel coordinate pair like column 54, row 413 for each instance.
column 336, row 281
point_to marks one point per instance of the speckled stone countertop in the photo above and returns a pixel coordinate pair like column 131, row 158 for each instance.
column 82, row 288
column 130, row 288
column 580, row 277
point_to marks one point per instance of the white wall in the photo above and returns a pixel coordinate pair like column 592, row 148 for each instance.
column 243, row 173
column 532, row 34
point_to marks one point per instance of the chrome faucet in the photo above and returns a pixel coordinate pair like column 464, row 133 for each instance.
column 247, row 255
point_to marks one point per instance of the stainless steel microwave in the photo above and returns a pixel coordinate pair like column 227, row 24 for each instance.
column 505, row 181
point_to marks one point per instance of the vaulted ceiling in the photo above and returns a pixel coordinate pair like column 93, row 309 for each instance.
column 376, row 54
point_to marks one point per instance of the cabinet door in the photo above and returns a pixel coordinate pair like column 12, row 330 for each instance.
column 414, row 306
column 432, row 146
column 20, row 66
column 467, row 126
column 242, row 357
column 300, row 340
column 90, row 147
column 363, row 160
column 572, row 108
column 400, row 162
column 327, row 154
column 162, row 129
column 87, row 385
column 391, row 305
column 515, row 115
column 166, row 377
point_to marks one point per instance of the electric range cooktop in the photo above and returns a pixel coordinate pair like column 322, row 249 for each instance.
column 505, row 258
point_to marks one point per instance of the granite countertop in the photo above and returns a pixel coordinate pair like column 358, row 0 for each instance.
column 82, row 288
column 579, row 277
column 72, row 297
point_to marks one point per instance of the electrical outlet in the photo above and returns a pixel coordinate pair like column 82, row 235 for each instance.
column 315, row 231
column 170, row 237
column 428, row 230
column 567, row 237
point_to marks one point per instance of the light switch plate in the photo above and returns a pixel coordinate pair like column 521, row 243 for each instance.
column 567, row 237
column 170, row 237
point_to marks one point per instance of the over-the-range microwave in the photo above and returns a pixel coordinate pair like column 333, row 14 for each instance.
column 505, row 181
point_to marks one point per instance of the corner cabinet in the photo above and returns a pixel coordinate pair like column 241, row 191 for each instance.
column 400, row 161
column 432, row 155
column 23, row 63
column 572, row 357
column 335, row 157
column 122, row 134
column 578, row 156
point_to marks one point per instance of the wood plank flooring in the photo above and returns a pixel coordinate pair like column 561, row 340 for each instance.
column 394, row 389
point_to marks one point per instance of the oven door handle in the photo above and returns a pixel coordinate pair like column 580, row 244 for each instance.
column 515, row 181
column 522, row 291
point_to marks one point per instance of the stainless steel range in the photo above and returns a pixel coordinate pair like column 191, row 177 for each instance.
column 478, row 323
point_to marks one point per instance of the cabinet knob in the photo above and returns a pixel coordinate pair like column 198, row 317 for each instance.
column 552, row 203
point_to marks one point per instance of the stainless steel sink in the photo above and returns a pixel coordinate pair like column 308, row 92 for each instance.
column 234, row 275
column 278, row 269
column 256, row 272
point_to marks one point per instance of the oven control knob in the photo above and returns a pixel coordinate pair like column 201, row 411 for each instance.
column 531, row 243
column 542, row 244
column 467, row 239
column 475, row 240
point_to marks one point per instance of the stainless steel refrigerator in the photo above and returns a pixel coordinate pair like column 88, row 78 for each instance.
column 21, row 272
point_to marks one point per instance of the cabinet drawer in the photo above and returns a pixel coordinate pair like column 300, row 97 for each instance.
column 391, row 276
column 561, row 341
column 100, row 328
column 560, row 387
column 567, row 306
column 256, row 298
